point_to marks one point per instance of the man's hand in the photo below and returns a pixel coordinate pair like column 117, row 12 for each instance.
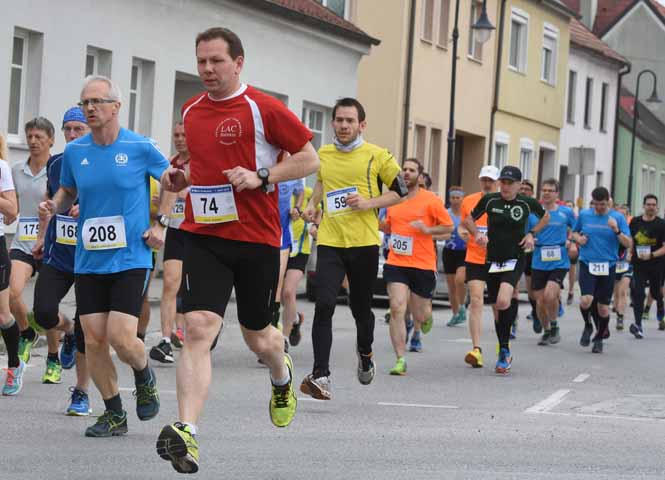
column 612, row 223
column 243, row 179
column 527, row 242
column 46, row 209
column 582, row 239
column 38, row 249
column 295, row 214
column 309, row 214
column 313, row 230
column 419, row 225
column 154, row 236
column 463, row 233
column 356, row 202
column 481, row 239
column 75, row 211
column 174, row 180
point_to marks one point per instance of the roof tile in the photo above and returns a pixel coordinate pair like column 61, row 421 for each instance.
column 582, row 37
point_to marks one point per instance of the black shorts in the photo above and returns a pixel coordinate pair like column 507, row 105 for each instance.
column 600, row 288
column 174, row 245
column 299, row 262
column 112, row 292
column 421, row 282
column 494, row 280
column 214, row 266
column 476, row 271
column 21, row 256
column 539, row 278
column 452, row 260
column 5, row 265
column 527, row 266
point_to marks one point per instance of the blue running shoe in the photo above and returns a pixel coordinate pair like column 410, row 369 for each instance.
column 68, row 352
column 416, row 344
column 409, row 327
column 513, row 331
column 80, row 404
column 504, row 362
column 14, row 380
column 561, row 310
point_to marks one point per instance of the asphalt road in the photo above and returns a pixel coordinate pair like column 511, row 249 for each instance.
column 563, row 413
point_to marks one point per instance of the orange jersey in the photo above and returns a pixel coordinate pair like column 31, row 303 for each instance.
column 474, row 252
column 409, row 247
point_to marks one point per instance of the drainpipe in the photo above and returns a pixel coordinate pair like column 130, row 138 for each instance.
column 622, row 73
column 407, row 81
column 497, row 81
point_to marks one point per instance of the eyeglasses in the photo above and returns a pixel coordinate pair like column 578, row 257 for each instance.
column 94, row 101
column 73, row 129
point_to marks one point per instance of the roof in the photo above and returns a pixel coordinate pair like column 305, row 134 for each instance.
column 561, row 6
column 611, row 11
column 583, row 38
column 649, row 128
column 314, row 14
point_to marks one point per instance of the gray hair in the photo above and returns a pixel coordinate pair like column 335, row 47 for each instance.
column 41, row 123
column 114, row 89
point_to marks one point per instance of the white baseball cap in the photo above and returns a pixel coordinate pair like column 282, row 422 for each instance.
column 489, row 171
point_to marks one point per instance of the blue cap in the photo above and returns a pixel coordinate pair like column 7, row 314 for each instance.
column 74, row 114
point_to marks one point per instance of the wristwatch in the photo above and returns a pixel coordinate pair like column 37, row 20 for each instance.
column 263, row 174
column 163, row 220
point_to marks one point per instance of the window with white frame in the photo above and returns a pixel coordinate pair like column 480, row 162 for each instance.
column 501, row 142
column 134, row 96
column 550, row 52
column 604, row 94
column 24, row 80
column 648, row 183
column 526, row 159
column 17, row 83
column 652, row 180
column 420, row 145
column 475, row 47
column 141, row 90
column 444, row 19
column 314, row 118
column 427, row 32
column 97, row 61
column 340, row 7
column 572, row 97
column 519, row 32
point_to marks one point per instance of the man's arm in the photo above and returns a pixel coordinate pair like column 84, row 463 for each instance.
column 314, row 201
column 61, row 202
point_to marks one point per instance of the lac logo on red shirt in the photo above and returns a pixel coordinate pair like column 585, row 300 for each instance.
column 229, row 131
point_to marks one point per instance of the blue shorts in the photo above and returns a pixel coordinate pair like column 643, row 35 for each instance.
column 600, row 288
column 286, row 238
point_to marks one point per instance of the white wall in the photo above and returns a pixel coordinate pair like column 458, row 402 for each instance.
column 577, row 135
column 297, row 61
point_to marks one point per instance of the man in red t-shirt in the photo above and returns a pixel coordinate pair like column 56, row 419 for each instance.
column 234, row 134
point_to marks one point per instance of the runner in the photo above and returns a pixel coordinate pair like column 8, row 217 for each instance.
column 648, row 233
column 410, row 271
column 174, row 249
column 30, row 182
column 527, row 190
column 623, row 277
column 599, row 231
column 550, row 260
column 573, row 255
column 507, row 219
column 348, row 238
column 108, row 171
column 235, row 134
column 453, row 259
column 56, row 246
column 476, row 269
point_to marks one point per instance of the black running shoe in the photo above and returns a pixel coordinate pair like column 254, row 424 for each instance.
column 585, row 340
column 296, row 335
column 545, row 339
column 109, row 424
column 147, row 398
column 162, row 352
column 597, row 346
column 555, row 336
column 619, row 322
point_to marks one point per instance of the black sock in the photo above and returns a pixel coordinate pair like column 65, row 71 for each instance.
column 141, row 377
column 506, row 318
column 29, row 334
column 554, row 324
column 53, row 357
column 647, row 307
column 11, row 334
column 140, row 336
column 603, row 324
column 596, row 317
column 585, row 316
column 114, row 404
column 534, row 310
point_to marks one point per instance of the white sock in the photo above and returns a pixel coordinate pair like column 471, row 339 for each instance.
column 282, row 381
column 192, row 427
column 166, row 339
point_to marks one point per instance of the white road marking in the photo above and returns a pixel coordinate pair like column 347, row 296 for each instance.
column 128, row 389
column 581, row 377
column 416, row 405
column 549, row 403
column 458, row 340
column 310, row 399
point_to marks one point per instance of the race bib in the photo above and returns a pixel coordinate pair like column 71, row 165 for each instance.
column 500, row 267
column 599, row 269
column 177, row 213
column 643, row 252
column 401, row 245
column 214, row 204
column 65, row 230
column 104, row 233
column 622, row 267
column 336, row 200
column 28, row 228
column 550, row 254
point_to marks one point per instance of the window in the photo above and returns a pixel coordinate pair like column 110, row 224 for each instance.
column 141, row 87
column 97, row 62
column 421, row 136
column 340, row 7
column 428, row 21
column 501, row 142
column 519, row 25
column 17, row 84
column 24, row 80
column 312, row 117
column 648, row 180
column 603, row 107
column 134, row 95
column 435, row 157
column 526, row 156
column 588, row 102
column 444, row 18
column 475, row 48
column 549, row 60
column 599, row 179
column 572, row 96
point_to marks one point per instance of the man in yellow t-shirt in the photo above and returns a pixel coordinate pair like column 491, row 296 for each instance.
column 350, row 182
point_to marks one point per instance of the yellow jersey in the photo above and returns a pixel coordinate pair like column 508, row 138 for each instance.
column 154, row 206
column 301, row 242
column 361, row 171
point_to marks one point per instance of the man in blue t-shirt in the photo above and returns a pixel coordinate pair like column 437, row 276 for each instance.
column 599, row 231
column 56, row 245
column 108, row 171
column 550, row 262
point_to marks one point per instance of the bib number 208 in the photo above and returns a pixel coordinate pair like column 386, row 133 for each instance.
column 102, row 233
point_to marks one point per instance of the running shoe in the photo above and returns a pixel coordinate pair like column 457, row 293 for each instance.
column 68, row 351
column 474, row 358
column 409, row 327
column 585, row 339
column 177, row 338
column 109, row 424
column 14, row 379
column 569, row 300
column 462, row 314
column 386, row 318
column 318, row 387
column 545, row 339
column 283, row 402
column 637, row 331
column 177, row 444
column 400, row 367
column 513, row 330
column 619, row 322
column 661, row 324
column 537, row 326
column 296, row 335
column 147, row 398
column 366, row 369
column 504, row 363
column 555, row 335
column 416, row 345
column 53, row 373
column 162, row 352
column 25, row 347
column 453, row 320
column 79, row 405
column 561, row 310
column 427, row 325
column 645, row 315
column 597, row 346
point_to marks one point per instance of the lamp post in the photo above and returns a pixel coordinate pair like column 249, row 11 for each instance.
column 482, row 30
column 652, row 99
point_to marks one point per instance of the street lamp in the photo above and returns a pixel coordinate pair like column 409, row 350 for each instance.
column 652, row 99
column 482, row 30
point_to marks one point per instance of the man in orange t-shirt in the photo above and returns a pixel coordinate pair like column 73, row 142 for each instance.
column 476, row 268
column 411, row 264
